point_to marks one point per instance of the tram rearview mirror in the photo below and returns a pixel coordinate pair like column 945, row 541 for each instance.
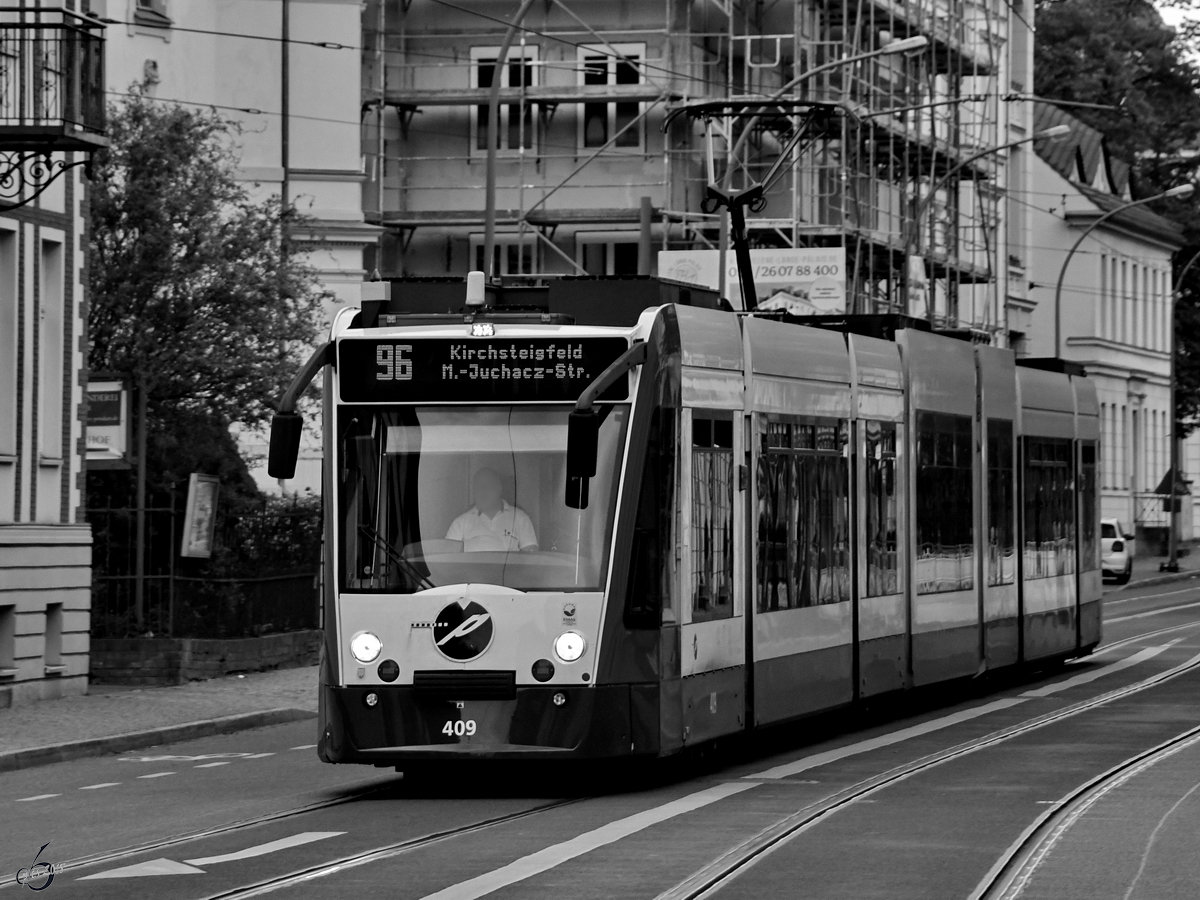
column 285, row 444
column 583, row 428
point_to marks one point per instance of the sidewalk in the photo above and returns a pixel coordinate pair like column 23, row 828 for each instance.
column 111, row 718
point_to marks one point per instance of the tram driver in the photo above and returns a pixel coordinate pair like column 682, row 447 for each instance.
column 492, row 523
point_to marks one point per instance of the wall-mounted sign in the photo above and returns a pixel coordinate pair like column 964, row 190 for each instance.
column 108, row 423
column 200, row 516
column 803, row 281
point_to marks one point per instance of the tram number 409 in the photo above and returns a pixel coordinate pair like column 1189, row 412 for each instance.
column 459, row 728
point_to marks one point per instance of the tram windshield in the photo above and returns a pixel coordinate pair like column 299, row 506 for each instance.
column 438, row 495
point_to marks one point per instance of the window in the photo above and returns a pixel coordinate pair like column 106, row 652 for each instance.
column 1001, row 542
column 803, row 515
column 945, row 514
column 882, row 567
column 648, row 597
column 712, row 518
column 1049, row 508
column 51, row 349
column 614, row 253
column 52, row 655
column 615, row 120
column 1089, row 549
column 511, row 254
column 441, row 495
column 516, row 122
column 152, row 13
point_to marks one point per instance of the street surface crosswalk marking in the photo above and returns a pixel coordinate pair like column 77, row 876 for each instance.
column 96, row 787
column 156, row 775
column 164, row 866
column 36, row 797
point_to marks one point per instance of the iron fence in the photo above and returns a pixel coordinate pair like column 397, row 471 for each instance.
column 261, row 577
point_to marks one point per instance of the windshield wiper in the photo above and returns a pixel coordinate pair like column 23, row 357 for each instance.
column 406, row 565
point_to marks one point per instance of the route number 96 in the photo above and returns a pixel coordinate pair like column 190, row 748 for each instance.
column 459, row 728
column 394, row 362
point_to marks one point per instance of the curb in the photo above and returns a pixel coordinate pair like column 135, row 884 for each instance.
column 133, row 740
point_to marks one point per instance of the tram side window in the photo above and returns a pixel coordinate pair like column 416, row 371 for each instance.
column 1001, row 542
column 945, row 535
column 712, row 519
column 1049, row 508
column 1089, row 546
column 803, row 516
column 882, row 569
column 652, row 571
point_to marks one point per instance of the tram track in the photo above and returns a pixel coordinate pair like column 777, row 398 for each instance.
column 707, row 881
column 1013, row 872
column 377, row 854
column 123, row 853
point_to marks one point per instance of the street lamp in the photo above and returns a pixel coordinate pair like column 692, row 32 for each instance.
column 1053, row 133
column 1180, row 190
column 752, row 196
column 1172, row 563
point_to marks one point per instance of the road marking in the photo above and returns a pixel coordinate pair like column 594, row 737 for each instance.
column 258, row 755
column 296, row 840
column 153, row 867
column 550, row 857
column 1190, row 590
column 164, row 866
column 556, row 855
column 1153, row 612
column 1100, row 672
column 96, row 787
column 157, row 775
column 210, row 765
column 306, row 747
column 883, row 740
column 36, row 797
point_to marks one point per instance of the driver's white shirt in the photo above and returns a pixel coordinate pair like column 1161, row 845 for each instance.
column 509, row 529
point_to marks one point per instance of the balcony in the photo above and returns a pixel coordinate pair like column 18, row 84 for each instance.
column 51, row 81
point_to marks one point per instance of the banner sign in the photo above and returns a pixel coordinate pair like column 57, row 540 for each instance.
column 803, row 281
column 108, row 423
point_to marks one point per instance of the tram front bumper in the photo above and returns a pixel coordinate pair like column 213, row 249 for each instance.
column 402, row 724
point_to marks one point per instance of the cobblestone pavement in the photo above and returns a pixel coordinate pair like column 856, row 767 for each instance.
column 111, row 710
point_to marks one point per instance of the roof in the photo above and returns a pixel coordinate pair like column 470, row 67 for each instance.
column 1084, row 159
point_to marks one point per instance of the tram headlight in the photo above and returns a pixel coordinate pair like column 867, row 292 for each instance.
column 366, row 647
column 569, row 646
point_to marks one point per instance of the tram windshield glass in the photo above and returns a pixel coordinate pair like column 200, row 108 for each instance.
column 439, row 495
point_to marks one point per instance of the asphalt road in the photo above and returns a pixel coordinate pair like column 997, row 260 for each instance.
column 925, row 801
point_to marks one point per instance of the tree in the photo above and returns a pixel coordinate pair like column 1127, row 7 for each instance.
column 199, row 294
column 1141, row 89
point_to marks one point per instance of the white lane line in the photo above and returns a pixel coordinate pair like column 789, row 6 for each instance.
column 1190, row 590
column 211, row 765
column 1153, row 612
column 884, row 740
column 1139, row 657
column 556, row 855
column 96, row 787
column 36, row 797
column 257, row 755
column 157, row 775
column 296, row 840
column 306, row 747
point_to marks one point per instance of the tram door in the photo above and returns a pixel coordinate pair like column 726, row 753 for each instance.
column 712, row 633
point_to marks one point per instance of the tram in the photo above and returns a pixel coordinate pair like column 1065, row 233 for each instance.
column 604, row 518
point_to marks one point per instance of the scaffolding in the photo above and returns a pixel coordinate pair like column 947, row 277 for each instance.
column 604, row 117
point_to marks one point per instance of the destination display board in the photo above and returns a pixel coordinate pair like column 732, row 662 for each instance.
column 452, row 370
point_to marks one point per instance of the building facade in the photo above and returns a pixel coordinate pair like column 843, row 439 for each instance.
column 1112, row 314
column 609, row 113
column 48, row 99
column 288, row 73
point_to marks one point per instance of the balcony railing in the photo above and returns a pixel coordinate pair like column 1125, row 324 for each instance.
column 51, row 80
